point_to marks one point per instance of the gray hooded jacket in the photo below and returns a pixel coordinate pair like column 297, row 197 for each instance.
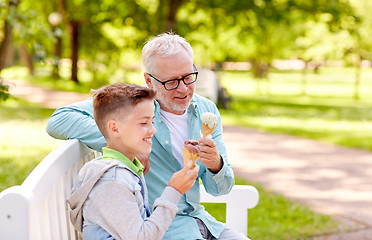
column 112, row 196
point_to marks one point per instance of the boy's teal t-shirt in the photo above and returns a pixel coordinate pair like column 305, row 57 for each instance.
column 110, row 154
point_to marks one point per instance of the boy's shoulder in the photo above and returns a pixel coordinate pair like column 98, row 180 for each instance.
column 113, row 167
column 95, row 166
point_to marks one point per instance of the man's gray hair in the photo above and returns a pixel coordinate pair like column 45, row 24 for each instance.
column 165, row 44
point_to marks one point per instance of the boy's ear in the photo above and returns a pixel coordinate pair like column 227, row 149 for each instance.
column 113, row 128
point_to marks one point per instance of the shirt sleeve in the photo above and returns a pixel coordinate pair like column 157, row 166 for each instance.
column 222, row 182
column 76, row 121
column 116, row 210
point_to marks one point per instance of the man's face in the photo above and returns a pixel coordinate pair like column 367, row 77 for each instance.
column 175, row 101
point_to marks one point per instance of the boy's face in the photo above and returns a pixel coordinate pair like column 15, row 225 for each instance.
column 135, row 130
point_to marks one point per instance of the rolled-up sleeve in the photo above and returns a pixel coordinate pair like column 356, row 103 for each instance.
column 76, row 121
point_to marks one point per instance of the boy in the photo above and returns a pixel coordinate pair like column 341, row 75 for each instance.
column 109, row 199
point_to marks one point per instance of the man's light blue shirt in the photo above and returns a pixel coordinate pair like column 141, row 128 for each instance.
column 76, row 121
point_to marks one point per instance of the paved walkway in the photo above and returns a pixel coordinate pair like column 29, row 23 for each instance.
column 45, row 97
column 332, row 180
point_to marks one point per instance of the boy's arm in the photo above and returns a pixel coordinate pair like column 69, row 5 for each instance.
column 76, row 121
column 117, row 212
column 114, row 206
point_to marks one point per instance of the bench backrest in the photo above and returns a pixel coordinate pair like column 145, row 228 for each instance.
column 38, row 210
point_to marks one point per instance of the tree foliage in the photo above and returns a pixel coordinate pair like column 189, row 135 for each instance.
column 110, row 34
column 3, row 90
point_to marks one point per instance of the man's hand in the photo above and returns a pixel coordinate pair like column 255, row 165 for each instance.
column 208, row 154
column 184, row 179
column 145, row 161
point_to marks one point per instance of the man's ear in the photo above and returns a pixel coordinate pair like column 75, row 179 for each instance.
column 147, row 80
column 112, row 128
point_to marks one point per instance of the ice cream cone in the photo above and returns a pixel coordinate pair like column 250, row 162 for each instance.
column 206, row 130
column 209, row 122
column 187, row 156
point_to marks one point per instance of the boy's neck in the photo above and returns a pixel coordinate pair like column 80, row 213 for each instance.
column 116, row 148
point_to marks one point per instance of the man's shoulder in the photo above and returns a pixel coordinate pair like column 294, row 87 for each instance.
column 82, row 106
column 204, row 103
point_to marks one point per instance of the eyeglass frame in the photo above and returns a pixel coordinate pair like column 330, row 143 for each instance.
column 178, row 79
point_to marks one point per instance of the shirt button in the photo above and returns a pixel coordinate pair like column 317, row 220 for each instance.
column 166, row 142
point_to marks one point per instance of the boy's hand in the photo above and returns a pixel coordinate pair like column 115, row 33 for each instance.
column 208, row 154
column 145, row 161
column 184, row 179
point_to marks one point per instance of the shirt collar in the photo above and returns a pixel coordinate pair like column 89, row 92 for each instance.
column 110, row 154
column 191, row 108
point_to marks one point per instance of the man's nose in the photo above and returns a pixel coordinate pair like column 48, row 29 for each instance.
column 182, row 87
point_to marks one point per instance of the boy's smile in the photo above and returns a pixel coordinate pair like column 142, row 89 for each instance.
column 134, row 130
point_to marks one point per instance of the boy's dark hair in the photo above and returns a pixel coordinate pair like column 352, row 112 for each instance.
column 115, row 99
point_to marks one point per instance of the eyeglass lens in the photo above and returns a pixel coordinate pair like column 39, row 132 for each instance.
column 188, row 79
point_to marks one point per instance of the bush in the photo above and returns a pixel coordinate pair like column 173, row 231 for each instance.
column 3, row 90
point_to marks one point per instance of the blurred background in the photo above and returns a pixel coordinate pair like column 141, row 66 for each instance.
column 297, row 67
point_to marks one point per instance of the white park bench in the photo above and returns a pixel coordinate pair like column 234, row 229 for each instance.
column 37, row 209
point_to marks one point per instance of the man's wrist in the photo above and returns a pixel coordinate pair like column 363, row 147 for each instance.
column 217, row 169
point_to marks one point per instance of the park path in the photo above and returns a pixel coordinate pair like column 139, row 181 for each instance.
column 46, row 97
column 332, row 180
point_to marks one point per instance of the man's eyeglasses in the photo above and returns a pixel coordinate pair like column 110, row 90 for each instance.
column 174, row 83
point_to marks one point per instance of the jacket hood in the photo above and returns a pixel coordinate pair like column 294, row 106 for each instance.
column 87, row 178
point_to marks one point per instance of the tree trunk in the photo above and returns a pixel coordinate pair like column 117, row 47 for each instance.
column 74, row 43
column 357, row 79
column 6, row 46
column 170, row 21
column 259, row 69
column 73, row 28
column 304, row 79
column 57, row 57
column 26, row 58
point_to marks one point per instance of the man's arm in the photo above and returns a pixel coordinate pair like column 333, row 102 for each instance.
column 76, row 121
column 216, row 182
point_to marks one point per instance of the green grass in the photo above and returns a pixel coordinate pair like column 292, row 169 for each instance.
column 24, row 141
column 277, row 218
column 44, row 79
column 329, row 114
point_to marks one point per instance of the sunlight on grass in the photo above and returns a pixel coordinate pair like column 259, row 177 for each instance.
column 329, row 83
column 276, row 217
column 87, row 81
column 24, row 141
column 327, row 113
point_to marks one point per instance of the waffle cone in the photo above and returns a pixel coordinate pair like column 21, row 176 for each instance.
column 206, row 130
column 187, row 156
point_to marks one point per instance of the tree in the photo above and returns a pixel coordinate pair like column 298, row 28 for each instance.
column 255, row 31
column 22, row 26
column 3, row 90
column 359, row 28
column 8, row 15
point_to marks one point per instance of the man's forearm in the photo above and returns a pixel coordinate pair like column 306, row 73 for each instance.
column 73, row 122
